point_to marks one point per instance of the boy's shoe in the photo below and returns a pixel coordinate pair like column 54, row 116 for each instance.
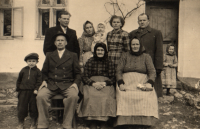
column 33, row 123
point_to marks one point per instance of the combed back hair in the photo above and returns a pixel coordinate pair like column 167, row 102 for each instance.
column 63, row 13
column 117, row 17
column 143, row 15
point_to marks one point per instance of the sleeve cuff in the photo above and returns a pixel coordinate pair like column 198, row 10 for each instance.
column 108, row 83
column 151, row 82
column 121, row 81
column 90, row 84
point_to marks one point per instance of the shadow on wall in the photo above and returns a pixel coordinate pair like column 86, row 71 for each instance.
column 8, row 80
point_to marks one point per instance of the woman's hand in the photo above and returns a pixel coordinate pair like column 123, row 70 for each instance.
column 122, row 87
column 165, row 64
column 171, row 65
column 99, row 85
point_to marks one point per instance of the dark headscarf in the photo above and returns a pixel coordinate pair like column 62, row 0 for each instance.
column 167, row 49
column 84, row 28
column 105, row 50
column 141, row 49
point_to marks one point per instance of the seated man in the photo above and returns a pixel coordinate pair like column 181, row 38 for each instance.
column 61, row 75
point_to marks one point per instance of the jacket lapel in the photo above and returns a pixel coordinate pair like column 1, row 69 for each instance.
column 59, row 29
column 68, row 32
column 64, row 58
column 144, row 32
column 55, row 56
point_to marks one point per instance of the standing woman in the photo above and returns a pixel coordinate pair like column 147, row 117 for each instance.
column 117, row 39
column 85, row 42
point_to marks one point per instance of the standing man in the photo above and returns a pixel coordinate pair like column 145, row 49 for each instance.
column 61, row 75
column 153, row 42
column 72, row 45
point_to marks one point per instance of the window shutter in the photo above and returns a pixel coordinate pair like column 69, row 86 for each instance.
column 17, row 21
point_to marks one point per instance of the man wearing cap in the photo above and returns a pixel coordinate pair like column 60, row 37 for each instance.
column 153, row 42
column 72, row 44
column 61, row 75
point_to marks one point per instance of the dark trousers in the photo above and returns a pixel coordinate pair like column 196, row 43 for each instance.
column 158, row 86
column 27, row 103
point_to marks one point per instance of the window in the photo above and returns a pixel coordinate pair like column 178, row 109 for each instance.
column 48, row 11
column 11, row 23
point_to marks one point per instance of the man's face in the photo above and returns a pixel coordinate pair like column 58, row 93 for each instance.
column 60, row 42
column 143, row 21
column 64, row 20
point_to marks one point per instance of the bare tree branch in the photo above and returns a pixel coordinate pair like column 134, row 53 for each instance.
column 120, row 9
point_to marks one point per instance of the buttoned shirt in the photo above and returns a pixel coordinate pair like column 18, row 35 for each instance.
column 64, row 29
column 60, row 52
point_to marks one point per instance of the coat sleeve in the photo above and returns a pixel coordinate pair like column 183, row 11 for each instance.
column 120, row 66
column 87, row 73
column 39, row 79
column 158, row 59
column 45, row 68
column 126, row 41
column 76, row 46
column 77, row 70
column 47, row 44
column 19, row 80
column 151, row 72
column 175, row 61
column 80, row 41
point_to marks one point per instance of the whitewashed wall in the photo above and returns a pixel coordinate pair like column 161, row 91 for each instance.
column 12, row 52
column 189, row 38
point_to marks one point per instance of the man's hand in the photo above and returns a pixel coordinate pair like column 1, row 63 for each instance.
column 35, row 91
column 122, row 87
column 165, row 64
column 44, row 84
column 75, row 86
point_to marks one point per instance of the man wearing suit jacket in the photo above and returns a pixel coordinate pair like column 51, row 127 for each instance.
column 153, row 42
column 72, row 44
column 61, row 75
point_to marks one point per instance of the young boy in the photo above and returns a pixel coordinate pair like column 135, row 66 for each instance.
column 28, row 82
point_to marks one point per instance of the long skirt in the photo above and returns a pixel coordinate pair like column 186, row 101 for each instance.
column 98, row 104
column 134, row 106
column 169, row 77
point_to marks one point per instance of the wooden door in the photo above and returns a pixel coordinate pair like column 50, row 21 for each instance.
column 164, row 17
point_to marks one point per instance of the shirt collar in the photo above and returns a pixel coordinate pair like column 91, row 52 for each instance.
column 116, row 32
column 64, row 29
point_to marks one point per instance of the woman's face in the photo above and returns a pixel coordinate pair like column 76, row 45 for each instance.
column 135, row 45
column 89, row 28
column 171, row 50
column 100, row 52
column 116, row 23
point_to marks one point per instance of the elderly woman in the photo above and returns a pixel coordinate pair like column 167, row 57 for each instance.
column 85, row 42
column 136, row 98
column 99, row 103
column 117, row 39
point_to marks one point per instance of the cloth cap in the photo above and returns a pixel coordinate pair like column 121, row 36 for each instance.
column 31, row 56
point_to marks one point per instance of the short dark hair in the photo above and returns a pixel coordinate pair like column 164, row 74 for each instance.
column 144, row 14
column 63, row 13
column 119, row 17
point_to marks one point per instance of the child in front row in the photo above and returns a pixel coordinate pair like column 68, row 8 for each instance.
column 99, row 36
column 169, row 72
column 28, row 82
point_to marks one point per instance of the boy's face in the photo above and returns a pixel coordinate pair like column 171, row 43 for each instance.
column 31, row 62
column 101, row 28
column 171, row 49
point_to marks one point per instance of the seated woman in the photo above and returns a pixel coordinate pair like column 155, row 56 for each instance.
column 136, row 98
column 98, row 103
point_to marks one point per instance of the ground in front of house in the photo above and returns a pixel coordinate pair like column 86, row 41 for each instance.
column 175, row 115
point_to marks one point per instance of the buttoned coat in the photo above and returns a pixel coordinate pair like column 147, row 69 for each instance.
column 152, row 40
column 72, row 42
column 61, row 72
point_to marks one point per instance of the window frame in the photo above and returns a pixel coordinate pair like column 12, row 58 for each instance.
column 52, row 7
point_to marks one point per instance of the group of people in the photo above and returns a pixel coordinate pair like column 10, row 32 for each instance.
column 118, row 75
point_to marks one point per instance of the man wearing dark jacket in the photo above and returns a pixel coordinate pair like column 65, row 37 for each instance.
column 153, row 42
column 61, row 75
column 72, row 43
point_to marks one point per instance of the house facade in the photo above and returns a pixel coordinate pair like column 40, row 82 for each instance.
column 23, row 24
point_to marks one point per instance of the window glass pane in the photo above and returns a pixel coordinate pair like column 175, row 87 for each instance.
column 6, row 2
column 45, row 21
column 45, row 1
column 59, row 2
column 7, row 22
